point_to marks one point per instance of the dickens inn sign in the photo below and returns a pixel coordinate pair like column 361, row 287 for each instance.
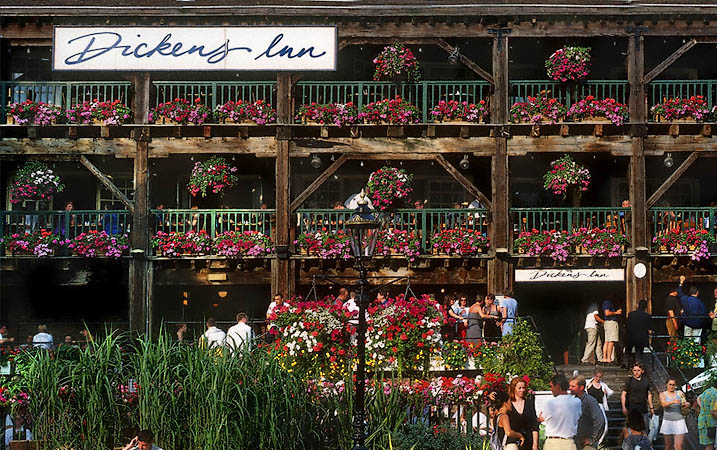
column 562, row 275
column 195, row 48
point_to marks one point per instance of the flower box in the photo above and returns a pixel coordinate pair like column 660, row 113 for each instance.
column 338, row 114
column 537, row 110
column 454, row 112
column 390, row 112
column 181, row 112
column 681, row 110
column 39, row 243
column 689, row 242
column 94, row 244
column 34, row 114
column 256, row 112
column 461, row 242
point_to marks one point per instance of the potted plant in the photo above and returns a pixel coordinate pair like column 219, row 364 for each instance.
column 566, row 174
column 398, row 242
column 600, row 242
column 242, row 111
column 245, row 243
column 396, row 63
column 388, row 186
column 214, row 174
column 35, row 181
column 34, row 113
column 177, row 243
column 390, row 111
column 95, row 243
column 111, row 113
column 594, row 110
column 324, row 244
column 551, row 244
column 39, row 243
column 455, row 111
column 338, row 114
column 569, row 63
column 181, row 112
column 538, row 110
column 454, row 355
column 693, row 109
column 683, row 242
column 459, row 242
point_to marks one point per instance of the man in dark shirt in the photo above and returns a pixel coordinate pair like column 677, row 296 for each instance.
column 673, row 310
column 636, row 393
column 693, row 308
column 610, row 314
column 638, row 331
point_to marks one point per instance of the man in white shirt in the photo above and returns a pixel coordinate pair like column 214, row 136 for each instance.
column 352, row 308
column 213, row 337
column 42, row 339
column 594, row 344
column 560, row 415
column 277, row 302
column 239, row 336
column 3, row 335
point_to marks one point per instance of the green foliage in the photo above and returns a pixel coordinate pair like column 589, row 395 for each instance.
column 424, row 437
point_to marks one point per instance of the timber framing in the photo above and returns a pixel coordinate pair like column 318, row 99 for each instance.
column 106, row 182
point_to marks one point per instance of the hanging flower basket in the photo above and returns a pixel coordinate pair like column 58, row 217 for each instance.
column 565, row 173
column 396, row 63
column 34, row 113
column 388, row 186
column 591, row 109
column 214, row 174
column 569, row 64
column 538, row 110
column 390, row 111
column 693, row 109
column 338, row 114
column 258, row 112
column 691, row 241
column 181, row 112
column 34, row 181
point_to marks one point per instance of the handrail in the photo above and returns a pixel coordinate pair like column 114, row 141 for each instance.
column 658, row 90
column 568, row 94
column 213, row 221
column 68, row 224
column 569, row 219
column 215, row 93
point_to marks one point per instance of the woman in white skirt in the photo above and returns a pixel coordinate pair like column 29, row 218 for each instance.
column 673, row 426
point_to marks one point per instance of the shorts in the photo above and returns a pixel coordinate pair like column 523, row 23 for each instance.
column 612, row 331
column 707, row 435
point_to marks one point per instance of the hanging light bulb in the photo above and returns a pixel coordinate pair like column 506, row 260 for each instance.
column 361, row 163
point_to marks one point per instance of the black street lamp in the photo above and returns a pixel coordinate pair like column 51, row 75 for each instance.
column 363, row 232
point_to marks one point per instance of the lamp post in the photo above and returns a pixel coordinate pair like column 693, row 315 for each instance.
column 363, row 232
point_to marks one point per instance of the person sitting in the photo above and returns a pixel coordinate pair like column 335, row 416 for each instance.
column 143, row 441
column 42, row 339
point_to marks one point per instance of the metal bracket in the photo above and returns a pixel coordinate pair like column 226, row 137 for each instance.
column 637, row 31
column 499, row 33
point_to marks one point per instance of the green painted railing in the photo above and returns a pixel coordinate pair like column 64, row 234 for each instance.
column 569, row 219
column 213, row 221
column 426, row 221
column 567, row 94
column 665, row 219
column 425, row 94
column 214, row 93
column 658, row 91
column 61, row 93
column 66, row 223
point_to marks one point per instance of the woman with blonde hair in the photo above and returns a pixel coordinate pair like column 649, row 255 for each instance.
column 673, row 426
column 522, row 414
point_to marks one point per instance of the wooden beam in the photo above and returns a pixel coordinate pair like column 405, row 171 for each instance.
column 466, row 61
column 301, row 198
column 669, row 60
column 283, row 277
column 463, row 181
column 671, row 179
column 106, row 182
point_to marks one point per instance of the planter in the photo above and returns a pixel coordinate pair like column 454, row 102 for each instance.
column 8, row 252
column 663, row 249
column 452, row 122
column 10, row 119
column 599, row 119
column 659, row 118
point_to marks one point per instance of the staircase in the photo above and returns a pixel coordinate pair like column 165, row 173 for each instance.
column 615, row 377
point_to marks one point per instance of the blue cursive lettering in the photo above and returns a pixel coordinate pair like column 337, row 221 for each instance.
column 287, row 51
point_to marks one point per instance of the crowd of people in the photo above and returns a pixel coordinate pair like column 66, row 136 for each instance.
column 44, row 339
column 686, row 315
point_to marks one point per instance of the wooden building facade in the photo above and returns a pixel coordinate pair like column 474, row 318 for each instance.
column 643, row 52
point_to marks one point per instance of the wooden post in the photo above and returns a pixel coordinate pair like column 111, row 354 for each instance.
column 282, row 276
column 499, row 276
column 638, row 288
column 140, row 302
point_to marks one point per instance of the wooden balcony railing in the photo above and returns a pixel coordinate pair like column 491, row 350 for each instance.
column 213, row 221
column 68, row 224
column 520, row 90
column 666, row 219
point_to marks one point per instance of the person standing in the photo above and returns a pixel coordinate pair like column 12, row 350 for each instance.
column 599, row 389
column 706, row 422
column 240, row 336
column 181, row 332
column 638, row 331
column 593, row 422
column 612, row 331
column 693, row 308
column 673, row 310
column 4, row 339
column 474, row 330
column 491, row 319
column 213, row 337
column 42, row 339
column 522, row 414
column 561, row 414
column 351, row 308
column 508, row 435
column 636, row 393
column 594, row 342
column 673, row 426
column 508, row 310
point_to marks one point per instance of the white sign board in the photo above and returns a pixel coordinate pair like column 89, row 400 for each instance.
column 195, row 48
column 559, row 275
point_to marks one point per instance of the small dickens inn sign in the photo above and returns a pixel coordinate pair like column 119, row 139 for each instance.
column 194, row 48
column 560, row 275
